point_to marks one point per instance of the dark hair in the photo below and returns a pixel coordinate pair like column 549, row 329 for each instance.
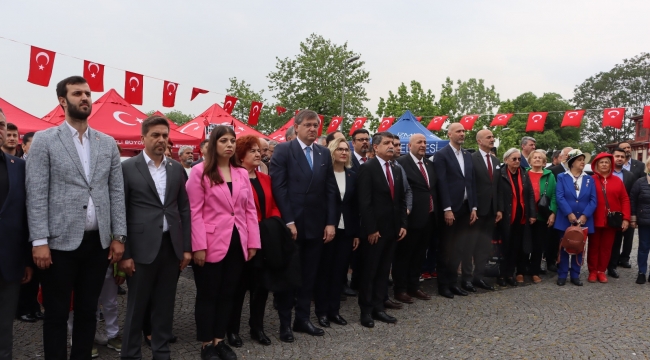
column 211, row 169
column 629, row 142
column 378, row 137
column 619, row 150
column 359, row 131
column 62, row 86
column 28, row 137
column 153, row 121
column 244, row 144
column 330, row 136
column 12, row 127
column 203, row 143
column 396, row 137
column 303, row 115
column 556, row 154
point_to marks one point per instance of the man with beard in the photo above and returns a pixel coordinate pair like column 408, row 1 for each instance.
column 186, row 158
column 361, row 144
column 635, row 166
column 75, row 202
column 11, row 142
column 264, row 150
column 618, row 257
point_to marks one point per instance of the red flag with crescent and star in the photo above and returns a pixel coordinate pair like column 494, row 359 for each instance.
column 501, row 119
column 196, row 92
column 468, row 121
column 358, row 124
column 572, row 118
column 385, row 124
column 436, row 123
column 646, row 117
column 320, row 125
column 169, row 93
column 41, row 63
column 334, row 124
column 254, row 114
column 229, row 103
column 94, row 75
column 280, row 110
column 133, row 84
column 536, row 121
column 613, row 117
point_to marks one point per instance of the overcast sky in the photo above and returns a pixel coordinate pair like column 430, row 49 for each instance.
column 518, row 46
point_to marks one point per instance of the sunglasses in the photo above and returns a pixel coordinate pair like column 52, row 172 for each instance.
column 515, row 159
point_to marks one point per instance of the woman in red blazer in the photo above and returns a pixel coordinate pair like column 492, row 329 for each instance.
column 601, row 241
column 248, row 153
column 225, row 234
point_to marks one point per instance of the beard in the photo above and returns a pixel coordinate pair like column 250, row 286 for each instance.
column 75, row 112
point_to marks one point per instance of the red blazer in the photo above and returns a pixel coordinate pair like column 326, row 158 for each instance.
column 271, row 208
column 616, row 196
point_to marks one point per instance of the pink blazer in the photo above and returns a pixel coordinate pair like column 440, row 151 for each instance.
column 215, row 212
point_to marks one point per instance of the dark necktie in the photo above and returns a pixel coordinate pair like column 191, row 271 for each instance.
column 424, row 174
column 389, row 177
column 363, row 160
column 489, row 165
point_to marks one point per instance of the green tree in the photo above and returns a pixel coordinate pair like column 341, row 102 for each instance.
column 313, row 80
column 417, row 100
column 178, row 117
column 268, row 121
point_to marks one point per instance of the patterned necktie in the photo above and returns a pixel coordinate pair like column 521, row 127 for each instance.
column 389, row 177
column 308, row 155
column 424, row 174
column 489, row 165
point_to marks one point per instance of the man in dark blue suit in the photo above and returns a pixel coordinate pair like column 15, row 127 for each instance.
column 305, row 191
column 457, row 196
column 15, row 250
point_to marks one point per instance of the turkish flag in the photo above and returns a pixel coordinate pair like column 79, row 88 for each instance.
column 436, row 123
column 613, row 117
column 501, row 119
column 468, row 121
column 196, row 92
column 334, row 124
column 280, row 110
column 572, row 118
column 646, row 117
column 41, row 63
column 296, row 112
column 536, row 121
column 320, row 125
column 385, row 124
column 254, row 114
column 133, row 84
column 94, row 75
column 358, row 124
column 169, row 94
column 229, row 104
column 418, row 118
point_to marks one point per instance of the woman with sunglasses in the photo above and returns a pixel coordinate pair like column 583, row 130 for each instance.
column 576, row 202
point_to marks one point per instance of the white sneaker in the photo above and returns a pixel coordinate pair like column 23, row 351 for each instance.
column 101, row 339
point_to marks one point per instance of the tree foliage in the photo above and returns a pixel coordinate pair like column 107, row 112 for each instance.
column 178, row 117
column 268, row 121
column 417, row 100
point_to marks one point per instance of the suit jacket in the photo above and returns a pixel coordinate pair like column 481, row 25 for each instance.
column 628, row 180
column 557, row 169
column 451, row 182
column 487, row 189
column 57, row 188
column 355, row 163
column 567, row 202
column 15, row 250
column 379, row 211
column 349, row 206
column 145, row 211
column 637, row 168
column 271, row 209
column 304, row 196
column 197, row 162
column 215, row 212
column 422, row 192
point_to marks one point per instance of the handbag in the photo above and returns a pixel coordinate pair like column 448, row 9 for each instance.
column 614, row 218
column 574, row 241
column 544, row 204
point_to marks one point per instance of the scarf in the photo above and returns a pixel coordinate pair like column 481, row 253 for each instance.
column 514, row 197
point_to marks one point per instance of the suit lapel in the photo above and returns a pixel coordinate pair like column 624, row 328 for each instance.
column 299, row 156
column 236, row 185
column 94, row 151
column 223, row 187
column 452, row 154
column 169, row 171
column 68, row 143
column 142, row 167
column 349, row 184
column 317, row 161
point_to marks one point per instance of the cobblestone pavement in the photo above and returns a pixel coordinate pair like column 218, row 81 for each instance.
column 532, row 321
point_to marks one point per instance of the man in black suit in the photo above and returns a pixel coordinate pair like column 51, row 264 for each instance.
column 456, row 191
column 158, row 239
column 486, row 168
column 15, row 250
column 361, row 145
column 204, row 148
column 561, row 166
column 383, row 223
column 305, row 190
column 634, row 166
column 618, row 257
column 410, row 252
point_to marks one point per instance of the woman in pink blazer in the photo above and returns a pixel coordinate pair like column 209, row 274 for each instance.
column 225, row 234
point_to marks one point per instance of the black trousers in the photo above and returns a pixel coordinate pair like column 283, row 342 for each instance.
column 153, row 283
column 452, row 247
column 622, row 237
column 310, row 251
column 334, row 260
column 251, row 280
column 80, row 271
column 512, row 251
column 376, row 260
column 540, row 234
column 9, row 299
column 479, row 247
column 146, row 322
column 552, row 245
column 28, row 303
column 409, row 256
column 216, row 285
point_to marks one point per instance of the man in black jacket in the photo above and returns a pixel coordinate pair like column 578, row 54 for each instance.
column 636, row 167
column 560, row 167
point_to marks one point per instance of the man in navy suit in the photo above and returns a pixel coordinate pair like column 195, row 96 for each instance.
column 15, row 250
column 457, row 195
column 305, row 191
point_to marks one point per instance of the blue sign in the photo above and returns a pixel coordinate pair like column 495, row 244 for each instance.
column 408, row 125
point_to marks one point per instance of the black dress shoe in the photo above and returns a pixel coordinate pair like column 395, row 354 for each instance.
column 260, row 337
column 234, row 340
column 286, row 335
column 308, row 328
column 625, row 264
column 393, row 305
column 383, row 317
column 613, row 273
column 28, row 318
column 640, row 279
column 224, row 352
column 576, row 281
column 501, row 282
column 552, row 267
column 458, row 291
column 419, row 294
column 446, row 293
column 467, row 286
column 323, row 321
column 347, row 291
column 483, row 285
column 561, row 282
column 404, row 297
column 337, row 319
column 366, row 321
column 39, row 315
column 208, row 353
column 511, row 281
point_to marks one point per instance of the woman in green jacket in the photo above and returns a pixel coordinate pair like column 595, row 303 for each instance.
column 543, row 182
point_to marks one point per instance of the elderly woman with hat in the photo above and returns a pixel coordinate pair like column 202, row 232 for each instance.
column 576, row 202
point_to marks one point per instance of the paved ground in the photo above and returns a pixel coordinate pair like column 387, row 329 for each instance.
column 596, row 321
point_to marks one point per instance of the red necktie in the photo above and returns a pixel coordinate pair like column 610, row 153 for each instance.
column 363, row 160
column 489, row 165
column 428, row 185
column 390, row 180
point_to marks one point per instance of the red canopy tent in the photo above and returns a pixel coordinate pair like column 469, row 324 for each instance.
column 215, row 114
column 24, row 121
column 172, row 125
column 278, row 135
column 56, row 116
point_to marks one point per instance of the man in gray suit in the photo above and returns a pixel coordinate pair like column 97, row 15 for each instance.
column 160, row 243
column 75, row 201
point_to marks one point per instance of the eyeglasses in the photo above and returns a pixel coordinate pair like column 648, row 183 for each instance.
column 515, row 159
column 343, row 150
column 363, row 139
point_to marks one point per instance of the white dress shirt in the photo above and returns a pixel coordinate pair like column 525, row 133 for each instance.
column 484, row 156
column 417, row 164
column 382, row 162
column 359, row 157
column 303, row 146
column 159, row 176
column 577, row 181
column 461, row 162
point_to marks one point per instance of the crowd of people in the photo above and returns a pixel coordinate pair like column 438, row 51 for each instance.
column 292, row 219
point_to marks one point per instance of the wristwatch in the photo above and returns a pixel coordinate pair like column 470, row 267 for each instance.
column 121, row 239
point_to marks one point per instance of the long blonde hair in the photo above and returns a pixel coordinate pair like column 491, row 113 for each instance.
column 334, row 144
